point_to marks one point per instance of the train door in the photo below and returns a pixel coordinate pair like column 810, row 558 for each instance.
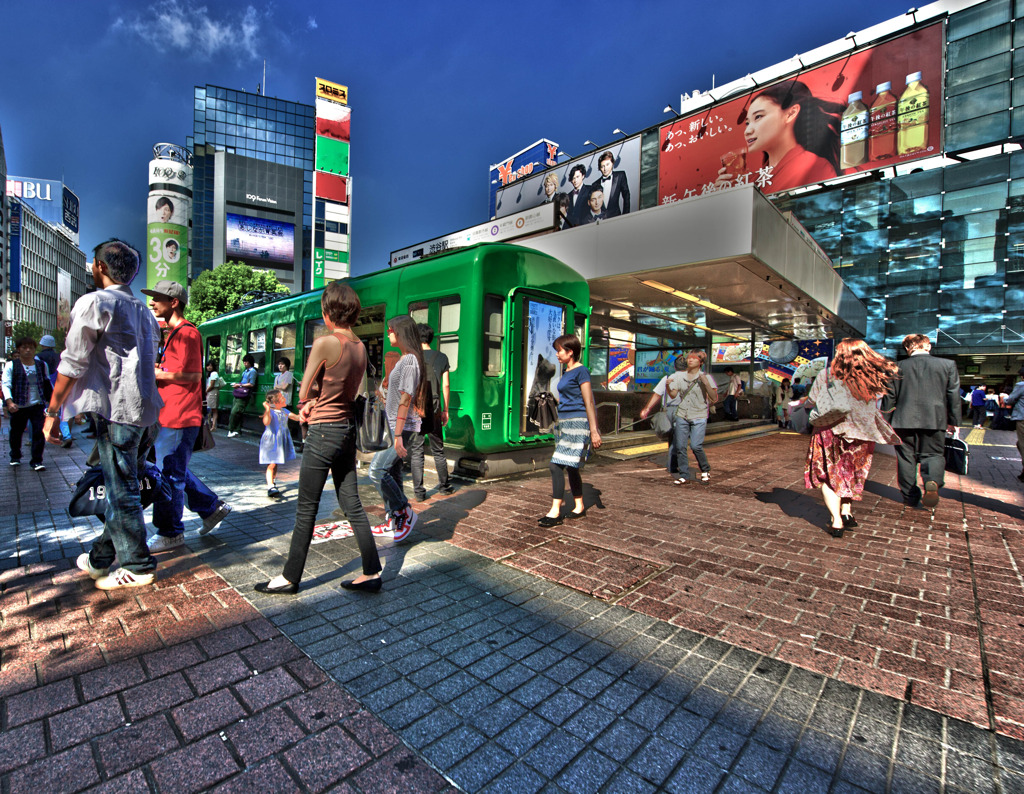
column 538, row 321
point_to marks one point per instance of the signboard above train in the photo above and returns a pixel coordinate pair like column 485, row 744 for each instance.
column 532, row 221
column 873, row 108
column 533, row 159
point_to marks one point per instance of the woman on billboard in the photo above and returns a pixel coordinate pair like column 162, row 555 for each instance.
column 793, row 133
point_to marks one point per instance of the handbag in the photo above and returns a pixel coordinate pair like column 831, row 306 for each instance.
column 90, row 496
column 661, row 424
column 543, row 411
column 204, row 441
column 833, row 405
column 242, row 392
column 373, row 433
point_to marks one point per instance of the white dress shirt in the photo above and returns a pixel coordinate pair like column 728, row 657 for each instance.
column 111, row 349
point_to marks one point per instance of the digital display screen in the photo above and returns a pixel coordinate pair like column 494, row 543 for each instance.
column 257, row 240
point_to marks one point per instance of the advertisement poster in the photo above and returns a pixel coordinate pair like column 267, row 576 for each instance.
column 259, row 240
column 333, row 120
column 652, row 365
column 790, row 358
column 620, row 368
column 813, row 126
column 63, row 299
column 533, row 158
column 613, row 173
column 544, row 325
column 731, row 353
column 167, row 238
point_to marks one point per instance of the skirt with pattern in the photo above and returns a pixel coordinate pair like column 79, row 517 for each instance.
column 573, row 442
column 838, row 462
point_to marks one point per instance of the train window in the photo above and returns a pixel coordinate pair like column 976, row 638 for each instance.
column 420, row 312
column 233, row 357
column 284, row 344
column 213, row 351
column 494, row 333
column 258, row 348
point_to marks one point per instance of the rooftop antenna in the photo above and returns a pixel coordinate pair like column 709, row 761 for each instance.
column 264, row 83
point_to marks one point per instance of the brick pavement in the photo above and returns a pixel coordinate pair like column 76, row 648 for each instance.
column 524, row 660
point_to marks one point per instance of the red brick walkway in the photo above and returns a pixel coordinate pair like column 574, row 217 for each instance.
column 180, row 687
column 926, row 609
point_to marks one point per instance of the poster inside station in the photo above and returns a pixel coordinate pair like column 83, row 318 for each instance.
column 879, row 107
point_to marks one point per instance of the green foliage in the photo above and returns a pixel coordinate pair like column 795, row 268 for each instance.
column 28, row 328
column 221, row 289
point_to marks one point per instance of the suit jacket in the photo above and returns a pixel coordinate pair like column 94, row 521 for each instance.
column 590, row 217
column 1014, row 399
column 580, row 209
column 619, row 191
column 926, row 396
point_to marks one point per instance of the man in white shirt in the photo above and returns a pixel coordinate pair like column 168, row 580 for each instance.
column 733, row 392
column 108, row 369
column 26, row 386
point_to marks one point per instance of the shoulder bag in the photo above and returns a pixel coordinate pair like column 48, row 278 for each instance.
column 373, row 433
column 204, row 441
column 833, row 405
column 661, row 424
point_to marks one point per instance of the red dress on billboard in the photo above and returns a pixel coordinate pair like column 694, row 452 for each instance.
column 799, row 167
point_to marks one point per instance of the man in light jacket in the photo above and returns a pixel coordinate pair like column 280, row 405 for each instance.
column 1017, row 415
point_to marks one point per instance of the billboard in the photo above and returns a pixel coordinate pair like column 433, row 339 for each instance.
column 63, row 299
column 166, row 237
column 330, row 182
column 331, row 155
column 536, row 157
column 333, row 120
column 259, row 240
column 790, row 358
column 49, row 199
column 331, row 187
column 71, row 208
column 571, row 186
column 14, row 240
column 878, row 107
column 532, row 221
column 335, row 92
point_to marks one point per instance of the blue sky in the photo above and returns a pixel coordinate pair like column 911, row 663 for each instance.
column 438, row 91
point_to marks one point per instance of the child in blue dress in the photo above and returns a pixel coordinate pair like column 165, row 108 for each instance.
column 276, row 444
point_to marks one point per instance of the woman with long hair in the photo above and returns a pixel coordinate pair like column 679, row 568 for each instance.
column 577, row 425
column 839, row 457
column 795, row 134
column 401, row 392
column 337, row 364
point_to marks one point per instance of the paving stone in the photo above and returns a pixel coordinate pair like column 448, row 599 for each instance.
column 154, row 696
column 269, row 777
column 481, row 767
column 264, row 734
column 194, row 768
column 21, row 745
column 207, row 713
column 42, row 702
column 265, row 689
column 71, row 770
column 135, row 745
column 85, row 722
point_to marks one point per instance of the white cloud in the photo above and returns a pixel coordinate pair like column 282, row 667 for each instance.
column 181, row 26
column 311, row 24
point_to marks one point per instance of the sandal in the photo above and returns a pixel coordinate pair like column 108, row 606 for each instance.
column 705, row 476
column 680, row 481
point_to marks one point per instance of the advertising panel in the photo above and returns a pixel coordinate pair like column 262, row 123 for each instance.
column 529, row 222
column 545, row 323
column 335, row 92
column 878, row 107
column 332, row 187
column 166, row 237
column 333, row 120
column 14, row 240
column 614, row 170
column 63, row 299
column 259, row 240
column 331, row 155
column 536, row 157
column 47, row 198
column 71, row 210
column 793, row 359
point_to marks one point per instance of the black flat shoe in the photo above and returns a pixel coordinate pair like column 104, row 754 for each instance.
column 548, row 521
column 836, row 532
column 288, row 589
column 574, row 514
column 367, row 585
column 849, row 522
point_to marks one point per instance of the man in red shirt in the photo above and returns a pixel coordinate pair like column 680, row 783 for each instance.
column 179, row 375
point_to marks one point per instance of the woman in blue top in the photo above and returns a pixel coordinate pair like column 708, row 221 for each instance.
column 577, row 423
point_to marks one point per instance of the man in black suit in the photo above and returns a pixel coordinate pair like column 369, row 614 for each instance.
column 577, row 196
column 925, row 405
column 594, row 212
column 614, row 185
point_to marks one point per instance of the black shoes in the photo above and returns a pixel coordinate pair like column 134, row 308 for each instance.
column 849, row 522
column 288, row 589
column 367, row 585
column 273, row 493
column 836, row 532
column 547, row 521
column 574, row 515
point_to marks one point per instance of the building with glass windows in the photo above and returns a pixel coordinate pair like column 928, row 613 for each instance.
column 253, row 159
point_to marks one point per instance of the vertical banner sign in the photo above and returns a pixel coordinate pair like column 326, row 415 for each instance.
column 15, row 243
column 63, row 299
column 168, row 210
column 331, row 188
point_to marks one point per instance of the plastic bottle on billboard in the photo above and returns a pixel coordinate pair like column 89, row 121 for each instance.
column 912, row 116
column 882, row 124
column 853, row 135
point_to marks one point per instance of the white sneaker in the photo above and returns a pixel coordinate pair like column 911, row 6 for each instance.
column 84, row 565
column 124, row 578
column 404, row 521
column 165, row 543
column 214, row 518
column 705, row 476
column 232, row 433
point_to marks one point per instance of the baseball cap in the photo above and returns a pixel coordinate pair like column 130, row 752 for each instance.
column 47, row 341
column 168, row 289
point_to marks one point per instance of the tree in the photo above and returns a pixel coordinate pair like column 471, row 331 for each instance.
column 222, row 289
column 27, row 328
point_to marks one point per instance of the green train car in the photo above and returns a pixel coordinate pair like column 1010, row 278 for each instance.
column 495, row 308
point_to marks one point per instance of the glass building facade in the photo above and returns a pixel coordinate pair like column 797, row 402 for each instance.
column 249, row 125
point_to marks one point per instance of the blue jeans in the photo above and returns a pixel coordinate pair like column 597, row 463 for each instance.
column 691, row 431
column 124, row 530
column 386, row 475
column 329, row 447
column 729, row 408
column 173, row 452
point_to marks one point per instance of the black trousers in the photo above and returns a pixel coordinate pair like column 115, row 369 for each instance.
column 416, row 459
column 19, row 420
column 926, row 448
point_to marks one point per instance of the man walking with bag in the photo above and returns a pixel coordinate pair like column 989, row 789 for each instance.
column 107, row 369
column 925, row 405
column 179, row 378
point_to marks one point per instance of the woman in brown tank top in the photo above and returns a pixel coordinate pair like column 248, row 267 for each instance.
column 337, row 363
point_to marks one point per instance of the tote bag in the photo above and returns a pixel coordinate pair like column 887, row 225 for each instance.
column 834, row 404
column 373, row 433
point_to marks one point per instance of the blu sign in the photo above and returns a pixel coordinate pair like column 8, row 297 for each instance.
column 531, row 160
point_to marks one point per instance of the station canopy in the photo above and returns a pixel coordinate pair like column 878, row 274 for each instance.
column 728, row 264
